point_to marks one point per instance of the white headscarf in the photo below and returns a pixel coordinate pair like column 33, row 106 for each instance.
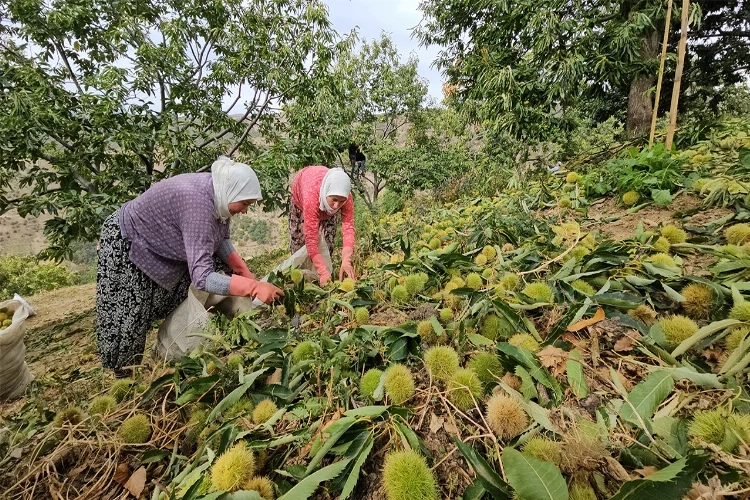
column 232, row 182
column 335, row 183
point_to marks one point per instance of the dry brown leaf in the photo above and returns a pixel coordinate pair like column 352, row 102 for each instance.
column 605, row 373
column 436, row 423
column 711, row 491
column 74, row 473
column 137, row 482
column 647, row 471
column 450, row 428
column 585, row 323
column 122, row 473
column 274, row 378
column 339, row 413
column 616, row 469
column 627, row 341
column 713, row 354
column 553, row 358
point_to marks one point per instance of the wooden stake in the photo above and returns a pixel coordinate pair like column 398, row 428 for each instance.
column 678, row 74
column 661, row 73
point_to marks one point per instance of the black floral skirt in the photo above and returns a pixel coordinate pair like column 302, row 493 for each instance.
column 297, row 229
column 128, row 302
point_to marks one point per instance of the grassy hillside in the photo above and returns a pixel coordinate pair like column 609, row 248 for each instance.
column 581, row 335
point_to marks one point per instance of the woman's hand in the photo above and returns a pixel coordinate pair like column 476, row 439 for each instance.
column 245, row 287
column 324, row 279
column 346, row 263
column 346, row 270
column 266, row 292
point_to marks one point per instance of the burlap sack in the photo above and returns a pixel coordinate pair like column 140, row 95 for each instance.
column 14, row 373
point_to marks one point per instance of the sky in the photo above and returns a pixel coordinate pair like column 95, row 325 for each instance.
column 396, row 17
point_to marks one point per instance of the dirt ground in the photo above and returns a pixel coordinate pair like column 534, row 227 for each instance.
column 21, row 235
column 61, row 348
column 650, row 216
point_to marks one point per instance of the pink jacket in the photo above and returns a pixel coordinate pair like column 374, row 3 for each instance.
column 306, row 196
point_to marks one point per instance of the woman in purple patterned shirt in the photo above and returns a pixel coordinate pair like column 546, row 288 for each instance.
column 155, row 246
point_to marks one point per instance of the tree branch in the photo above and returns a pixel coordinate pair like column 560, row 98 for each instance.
column 234, row 103
column 249, row 127
column 64, row 144
column 148, row 163
column 15, row 201
column 229, row 129
column 61, row 50
column 740, row 33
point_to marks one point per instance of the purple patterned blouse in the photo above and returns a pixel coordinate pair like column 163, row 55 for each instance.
column 173, row 228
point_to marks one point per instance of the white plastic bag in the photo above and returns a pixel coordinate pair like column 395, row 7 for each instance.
column 14, row 373
column 181, row 331
column 178, row 333
column 301, row 260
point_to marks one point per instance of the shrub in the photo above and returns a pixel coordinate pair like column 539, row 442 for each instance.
column 25, row 275
column 390, row 202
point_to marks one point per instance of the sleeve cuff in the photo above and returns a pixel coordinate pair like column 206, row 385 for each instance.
column 218, row 284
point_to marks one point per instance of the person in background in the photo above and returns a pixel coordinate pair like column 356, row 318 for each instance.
column 153, row 247
column 353, row 148
column 361, row 160
column 320, row 197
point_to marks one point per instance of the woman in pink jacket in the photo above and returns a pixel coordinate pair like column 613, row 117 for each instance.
column 320, row 198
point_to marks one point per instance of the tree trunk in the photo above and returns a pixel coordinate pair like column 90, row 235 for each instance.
column 640, row 105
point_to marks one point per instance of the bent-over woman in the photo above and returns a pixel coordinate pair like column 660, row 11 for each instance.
column 320, row 198
column 153, row 247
